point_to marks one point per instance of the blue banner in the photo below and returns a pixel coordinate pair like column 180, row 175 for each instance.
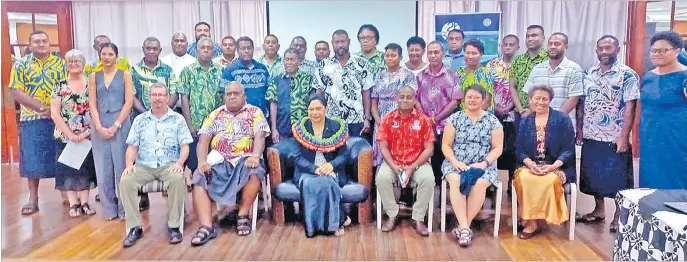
column 482, row 26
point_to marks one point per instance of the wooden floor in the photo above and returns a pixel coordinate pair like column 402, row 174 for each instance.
column 51, row 234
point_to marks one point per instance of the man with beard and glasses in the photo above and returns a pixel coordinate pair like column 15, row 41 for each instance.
column 522, row 67
column 561, row 74
column 611, row 91
column 321, row 50
column 346, row 82
column 228, row 52
column 301, row 46
column 202, row 29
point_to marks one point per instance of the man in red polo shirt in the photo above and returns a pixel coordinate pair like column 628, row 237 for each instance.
column 407, row 142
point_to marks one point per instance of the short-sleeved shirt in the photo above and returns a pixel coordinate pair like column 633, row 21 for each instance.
column 343, row 86
column 454, row 61
column 290, row 94
column 502, row 97
column 233, row 134
column 375, row 63
column 73, row 109
column 254, row 80
column 436, row 91
column 193, row 50
column 386, row 86
column 565, row 80
column 276, row 68
column 37, row 79
column 223, row 62
column 144, row 77
column 309, row 66
column 605, row 96
column 201, row 85
column 483, row 76
column 97, row 66
column 521, row 68
column 159, row 140
column 405, row 136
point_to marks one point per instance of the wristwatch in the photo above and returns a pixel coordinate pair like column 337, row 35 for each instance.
column 117, row 124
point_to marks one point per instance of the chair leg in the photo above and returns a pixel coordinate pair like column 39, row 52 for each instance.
column 573, row 210
column 497, row 208
column 514, row 209
column 430, row 217
column 254, row 222
column 379, row 211
column 443, row 205
column 183, row 216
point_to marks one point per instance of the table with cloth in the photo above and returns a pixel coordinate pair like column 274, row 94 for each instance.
column 648, row 229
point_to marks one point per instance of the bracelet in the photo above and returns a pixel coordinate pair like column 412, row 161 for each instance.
column 117, row 124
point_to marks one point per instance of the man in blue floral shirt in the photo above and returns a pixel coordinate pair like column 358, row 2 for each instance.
column 158, row 147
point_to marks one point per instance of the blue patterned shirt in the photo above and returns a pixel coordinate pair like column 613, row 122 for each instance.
column 254, row 80
column 158, row 140
column 193, row 50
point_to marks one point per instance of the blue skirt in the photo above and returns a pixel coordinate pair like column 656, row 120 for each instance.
column 603, row 172
column 37, row 149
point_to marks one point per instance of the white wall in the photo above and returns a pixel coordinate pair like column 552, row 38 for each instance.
column 317, row 20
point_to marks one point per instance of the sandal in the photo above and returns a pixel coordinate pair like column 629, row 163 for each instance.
column 465, row 238
column 29, row 209
column 203, row 235
column 243, row 226
column 590, row 218
column 111, row 218
column 340, row 232
column 86, row 209
column 75, row 210
column 347, row 222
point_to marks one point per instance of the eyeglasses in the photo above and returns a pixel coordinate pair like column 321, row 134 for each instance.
column 365, row 38
column 660, row 51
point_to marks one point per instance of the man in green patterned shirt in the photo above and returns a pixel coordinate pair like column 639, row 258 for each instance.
column 198, row 86
column 368, row 36
column 150, row 71
column 287, row 95
column 522, row 66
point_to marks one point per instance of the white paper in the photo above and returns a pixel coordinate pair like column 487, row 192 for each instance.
column 214, row 158
column 74, row 154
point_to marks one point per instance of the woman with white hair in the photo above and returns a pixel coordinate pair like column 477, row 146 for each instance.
column 70, row 112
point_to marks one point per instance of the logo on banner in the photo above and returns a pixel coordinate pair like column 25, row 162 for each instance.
column 448, row 27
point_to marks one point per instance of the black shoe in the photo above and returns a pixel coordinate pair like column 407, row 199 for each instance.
column 144, row 204
column 97, row 198
column 134, row 235
column 175, row 236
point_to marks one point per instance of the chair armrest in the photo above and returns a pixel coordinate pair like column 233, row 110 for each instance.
column 360, row 155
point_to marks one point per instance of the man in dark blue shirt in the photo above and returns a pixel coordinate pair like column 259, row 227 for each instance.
column 252, row 75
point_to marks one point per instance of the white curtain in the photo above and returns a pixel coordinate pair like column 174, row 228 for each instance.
column 583, row 21
column 240, row 18
column 129, row 23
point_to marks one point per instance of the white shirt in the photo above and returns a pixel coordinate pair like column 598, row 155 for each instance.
column 178, row 62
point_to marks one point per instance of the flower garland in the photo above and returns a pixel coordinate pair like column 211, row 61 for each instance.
column 312, row 142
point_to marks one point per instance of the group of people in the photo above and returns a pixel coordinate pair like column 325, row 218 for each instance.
column 213, row 108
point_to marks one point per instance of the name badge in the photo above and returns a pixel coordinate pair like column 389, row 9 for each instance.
column 416, row 125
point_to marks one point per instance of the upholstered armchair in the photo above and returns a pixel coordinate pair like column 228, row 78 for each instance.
column 359, row 160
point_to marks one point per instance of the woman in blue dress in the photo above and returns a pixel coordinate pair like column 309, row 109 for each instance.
column 663, row 117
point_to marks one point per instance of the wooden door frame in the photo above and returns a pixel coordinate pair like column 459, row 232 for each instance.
column 65, row 28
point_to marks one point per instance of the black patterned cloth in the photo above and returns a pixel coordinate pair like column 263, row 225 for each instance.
column 647, row 229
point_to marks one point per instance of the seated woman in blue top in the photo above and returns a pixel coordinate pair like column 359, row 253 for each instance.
column 319, row 168
column 545, row 150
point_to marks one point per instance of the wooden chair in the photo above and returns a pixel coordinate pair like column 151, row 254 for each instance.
column 280, row 157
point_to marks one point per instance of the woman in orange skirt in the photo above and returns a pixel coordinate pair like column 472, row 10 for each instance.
column 545, row 149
